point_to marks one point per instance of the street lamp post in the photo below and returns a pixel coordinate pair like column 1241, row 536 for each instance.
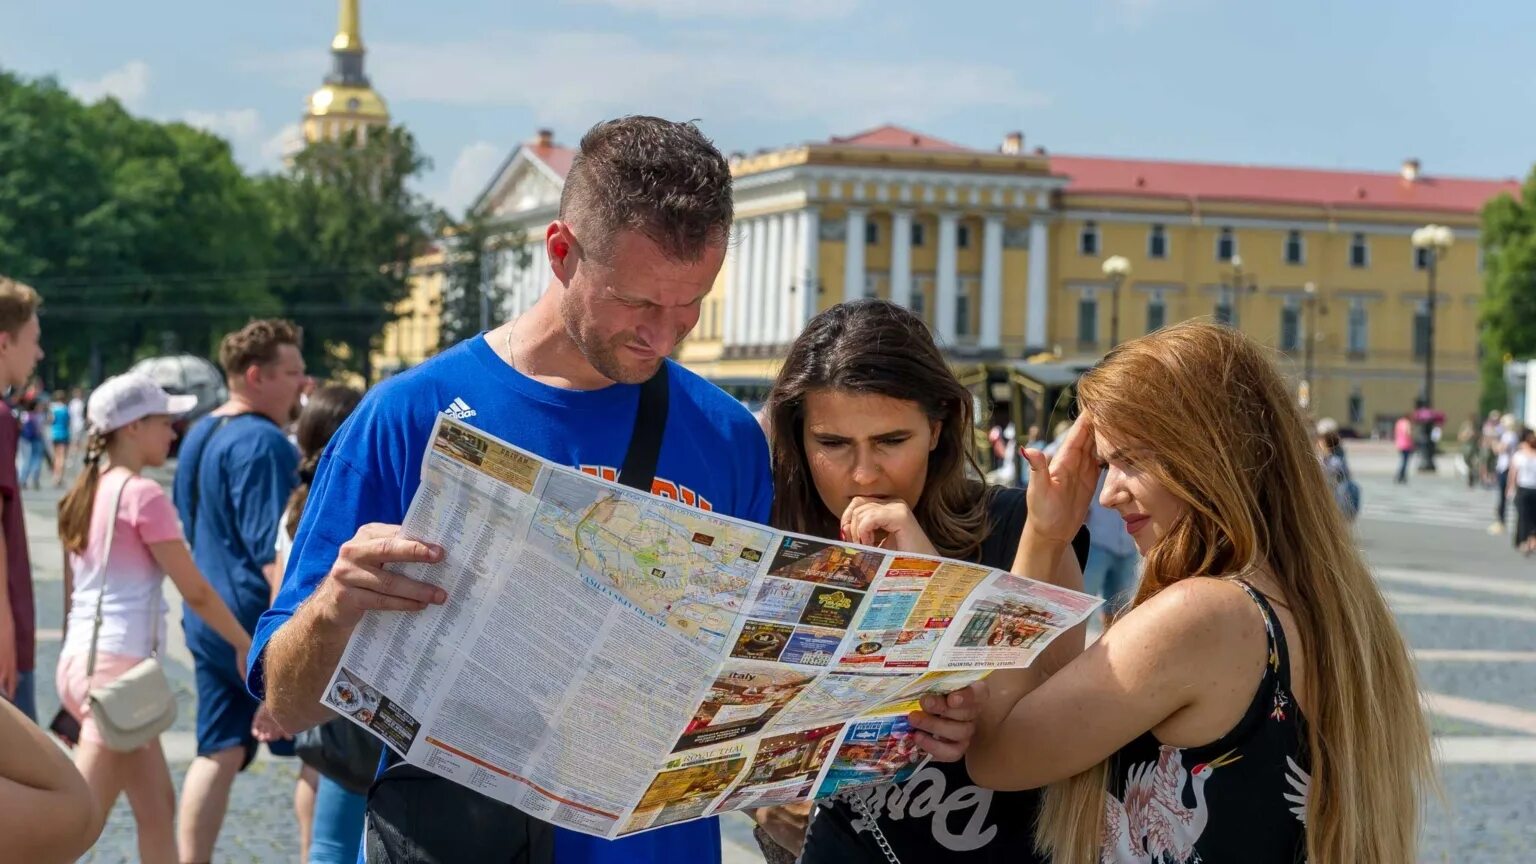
column 1436, row 241
column 1116, row 267
column 1241, row 284
column 1311, row 336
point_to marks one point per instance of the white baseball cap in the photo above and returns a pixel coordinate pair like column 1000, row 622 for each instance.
column 122, row 399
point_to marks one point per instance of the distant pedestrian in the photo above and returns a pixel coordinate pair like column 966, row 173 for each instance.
column 235, row 472
column 1402, row 437
column 122, row 538
column 77, row 421
column 1346, row 492
column 1508, row 442
column 1522, row 488
column 58, row 436
column 34, row 443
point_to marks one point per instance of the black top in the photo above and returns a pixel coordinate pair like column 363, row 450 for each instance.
column 1242, row 797
column 938, row 814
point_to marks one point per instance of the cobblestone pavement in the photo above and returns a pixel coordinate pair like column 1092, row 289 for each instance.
column 1465, row 600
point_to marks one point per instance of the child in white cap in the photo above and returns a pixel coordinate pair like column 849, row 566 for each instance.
column 129, row 419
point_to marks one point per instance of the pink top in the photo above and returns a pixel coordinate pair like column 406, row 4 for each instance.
column 133, row 601
column 1402, row 433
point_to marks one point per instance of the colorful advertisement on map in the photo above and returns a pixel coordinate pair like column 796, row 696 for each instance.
column 1008, row 621
column 743, row 699
column 784, row 769
column 873, row 751
column 687, row 786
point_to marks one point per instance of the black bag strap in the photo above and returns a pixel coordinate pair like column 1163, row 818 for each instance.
column 639, row 468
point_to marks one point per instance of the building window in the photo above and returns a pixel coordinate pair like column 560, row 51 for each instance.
column 1157, row 242
column 1420, row 258
column 1295, row 248
column 1088, row 320
column 1421, row 330
column 1357, row 328
column 1359, row 252
column 1226, row 245
column 963, row 313
column 1157, row 312
column 918, row 234
column 1290, row 326
column 1088, row 238
column 963, row 236
column 1224, row 312
column 875, row 283
column 871, row 234
column 922, row 286
column 1356, row 407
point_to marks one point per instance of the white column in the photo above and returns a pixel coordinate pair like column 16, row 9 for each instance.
column 946, row 279
column 853, row 256
column 1039, row 298
column 992, row 282
column 901, row 258
column 787, row 303
column 773, row 284
column 810, row 268
column 734, row 288
column 757, row 238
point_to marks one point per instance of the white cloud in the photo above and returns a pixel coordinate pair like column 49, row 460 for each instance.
column 237, row 124
column 569, row 79
column 128, row 84
column 471, row 171
column 794, row 10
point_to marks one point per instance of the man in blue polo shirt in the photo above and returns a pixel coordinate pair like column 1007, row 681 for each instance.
column 640, row 238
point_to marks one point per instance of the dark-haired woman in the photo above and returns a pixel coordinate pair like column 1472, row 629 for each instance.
column 330, row 816
column 870, row 444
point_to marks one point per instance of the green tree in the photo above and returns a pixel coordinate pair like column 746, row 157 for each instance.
column 344, row 226
column 473, row 296
column 140, row 236
column 1509, row 295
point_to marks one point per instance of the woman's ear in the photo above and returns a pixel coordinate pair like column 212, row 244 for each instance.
column 933, row 434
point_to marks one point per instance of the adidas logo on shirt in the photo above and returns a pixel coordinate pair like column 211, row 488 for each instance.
column 459, row 410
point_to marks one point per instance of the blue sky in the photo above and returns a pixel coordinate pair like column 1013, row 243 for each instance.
column 1349, row 83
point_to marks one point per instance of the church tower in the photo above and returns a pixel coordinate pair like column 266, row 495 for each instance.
column 347, row 101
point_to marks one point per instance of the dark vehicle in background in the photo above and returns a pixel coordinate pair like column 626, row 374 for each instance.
column 187, row 373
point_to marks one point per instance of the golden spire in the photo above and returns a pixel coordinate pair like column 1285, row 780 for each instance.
column 349, row 35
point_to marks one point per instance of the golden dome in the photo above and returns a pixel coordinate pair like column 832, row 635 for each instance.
column 343, row 99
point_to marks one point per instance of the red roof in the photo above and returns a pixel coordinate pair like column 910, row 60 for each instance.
column 553, row 155
column 891, row 137
column 1306, row 186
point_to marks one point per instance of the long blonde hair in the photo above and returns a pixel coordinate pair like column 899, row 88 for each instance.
column 1229, row 441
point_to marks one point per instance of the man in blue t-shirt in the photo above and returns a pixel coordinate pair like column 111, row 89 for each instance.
column 233, row 478
column 639, row 240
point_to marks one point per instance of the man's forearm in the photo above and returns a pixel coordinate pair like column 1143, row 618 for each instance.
column 298, row 664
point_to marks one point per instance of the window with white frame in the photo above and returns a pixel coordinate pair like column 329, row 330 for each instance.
column 1088, row 319
column 1355, row 338
column 876, row 283
column 1290, row 325
column 1157, row 311
column 963, row 236
column 1226, row 244
column 1359, row 251
column 871, row 233
column 1225, row 311
column 1157, row 242
column 1295, row 247
column 1356, row 407
column 919, row 234
column 1088, row 238
column 922, row 286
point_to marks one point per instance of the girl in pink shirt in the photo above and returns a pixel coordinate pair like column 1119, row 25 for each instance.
column 130, row 425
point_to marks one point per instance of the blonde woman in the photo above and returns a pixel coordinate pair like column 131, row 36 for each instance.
column 1255, row 702
column 130, row 426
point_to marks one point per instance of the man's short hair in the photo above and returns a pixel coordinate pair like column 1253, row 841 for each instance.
column 256, row 344
column 660, row 178
column 18, row 303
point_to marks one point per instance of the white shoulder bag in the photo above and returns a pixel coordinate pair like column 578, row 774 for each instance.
column 136, row 707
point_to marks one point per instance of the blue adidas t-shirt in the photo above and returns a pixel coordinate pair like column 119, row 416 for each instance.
column 713, row 455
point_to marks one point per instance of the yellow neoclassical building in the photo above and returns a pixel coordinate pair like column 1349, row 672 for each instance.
column 1003, row 252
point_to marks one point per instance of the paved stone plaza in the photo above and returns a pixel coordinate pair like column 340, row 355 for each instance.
column 1466, row 601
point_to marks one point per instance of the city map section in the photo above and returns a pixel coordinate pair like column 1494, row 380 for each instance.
column 683, row 568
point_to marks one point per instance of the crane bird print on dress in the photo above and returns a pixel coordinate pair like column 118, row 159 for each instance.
column 1152, row 825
